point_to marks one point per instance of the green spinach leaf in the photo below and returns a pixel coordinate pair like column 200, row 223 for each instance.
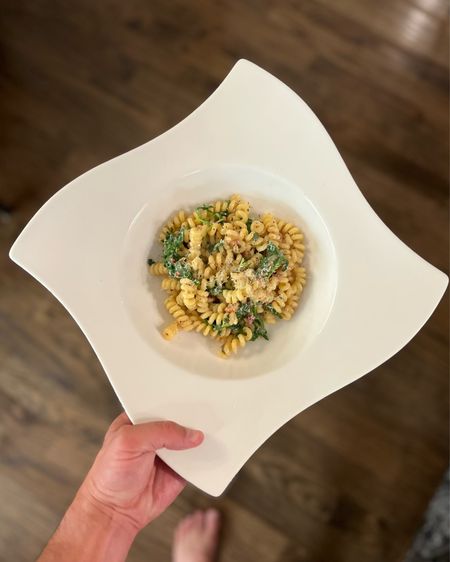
column 215, row 290
column 216, row 247
column 272, row 311
column 209, row 215
column 249, row 316
column 176, row 265
column 273, row 259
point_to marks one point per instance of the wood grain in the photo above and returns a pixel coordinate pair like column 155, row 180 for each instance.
column 346, row 480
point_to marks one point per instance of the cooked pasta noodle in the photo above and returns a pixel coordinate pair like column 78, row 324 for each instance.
column 228, row 272
column 169, row 284
column 170, row 331
column 158, row 269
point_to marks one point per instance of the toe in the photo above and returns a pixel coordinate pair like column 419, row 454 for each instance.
column 197, row 518
column 211, row 519
column 185, row 523
column 196, row 537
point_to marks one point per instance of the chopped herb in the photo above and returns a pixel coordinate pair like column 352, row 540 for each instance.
column 271, row 309
column 273, row 260
column 224, row 325
column 182, row 270
column 213, row 326
column 256, row 236
column 209, row 215
column 201, row 219
column 259, row 330
column 246, row 309
column 216, row 247
column 249, row 316
column 220, row 216
column 150, row 261
column 236, row 329
column 215, row 290
column 249, row 224
column 176, row 265
column 243, row 265
column 172, row 243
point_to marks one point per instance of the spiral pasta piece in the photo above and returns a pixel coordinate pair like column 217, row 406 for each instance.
column 202, row 299
column 234, row 296
column 169, row 284
column 206, row 329
column 232, row 344
column 175, row 223
column 170, row 331
column 177, row 312
column 271, row 227
column 196, row 235
column 158, row 269
column 188, row 291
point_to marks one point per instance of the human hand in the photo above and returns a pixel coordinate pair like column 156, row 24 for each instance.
column 128, row 481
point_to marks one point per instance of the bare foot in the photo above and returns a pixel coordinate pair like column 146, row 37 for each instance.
column 196, row 537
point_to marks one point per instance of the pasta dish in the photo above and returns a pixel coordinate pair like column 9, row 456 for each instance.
column 228, row 272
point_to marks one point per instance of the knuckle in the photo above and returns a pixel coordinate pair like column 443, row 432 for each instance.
column 166, row 426
column 122, row 436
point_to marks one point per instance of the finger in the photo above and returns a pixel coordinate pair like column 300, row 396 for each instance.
column 119, row 421
column 167, row 484
column 151, row 436
column 167, row 477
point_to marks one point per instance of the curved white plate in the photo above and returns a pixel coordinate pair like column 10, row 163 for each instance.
column 368, row 293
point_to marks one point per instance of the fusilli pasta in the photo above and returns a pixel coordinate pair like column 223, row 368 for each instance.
column 228, row 273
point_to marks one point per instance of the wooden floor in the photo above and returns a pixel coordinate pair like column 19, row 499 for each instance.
column 81, row 82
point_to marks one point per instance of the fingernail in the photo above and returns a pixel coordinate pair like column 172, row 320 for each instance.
column 194, row 436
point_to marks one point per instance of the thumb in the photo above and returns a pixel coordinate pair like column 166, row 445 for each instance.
column 151, row 436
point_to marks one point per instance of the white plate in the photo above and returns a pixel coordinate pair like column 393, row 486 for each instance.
column 368, row 294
